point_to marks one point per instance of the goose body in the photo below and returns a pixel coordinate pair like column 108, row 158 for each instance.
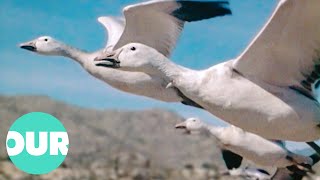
column 271, row 111
column 156, row 23
column 268, row 90
column 248, row 145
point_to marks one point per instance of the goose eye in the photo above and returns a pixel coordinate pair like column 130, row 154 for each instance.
column 45, row 39
column 133, row 48
column 194, row 120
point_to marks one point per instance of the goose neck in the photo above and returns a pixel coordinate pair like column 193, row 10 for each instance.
column 214, row 130
column 170, row 69
column 78, row 55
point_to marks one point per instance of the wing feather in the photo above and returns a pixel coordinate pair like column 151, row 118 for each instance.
column 158, row 24
column 286, row 51
column 114, row 28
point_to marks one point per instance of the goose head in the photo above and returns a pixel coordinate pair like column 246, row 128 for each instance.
column 45, row 45
column 131, row 57
column 190, row 125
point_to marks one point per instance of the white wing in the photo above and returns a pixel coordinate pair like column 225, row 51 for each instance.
column 114, row 29
column 158, row 23
column 286, row 51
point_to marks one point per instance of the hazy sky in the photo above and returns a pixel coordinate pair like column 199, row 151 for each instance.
column 201, row 45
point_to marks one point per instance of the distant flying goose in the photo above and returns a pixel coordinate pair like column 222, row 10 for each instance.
column 156, row 23
column 248, row 145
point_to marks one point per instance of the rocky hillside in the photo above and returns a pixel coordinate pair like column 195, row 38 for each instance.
column 113, row 144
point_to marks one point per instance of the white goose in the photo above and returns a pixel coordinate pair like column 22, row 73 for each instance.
column 248, row 145
column 268, row 90
column 156, row 23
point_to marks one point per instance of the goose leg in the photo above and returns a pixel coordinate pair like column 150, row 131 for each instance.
column 191, row 103
column 315, row 158
column 186, row 100
column 286, row 174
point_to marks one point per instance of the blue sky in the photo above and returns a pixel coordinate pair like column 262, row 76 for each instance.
column 201, row 45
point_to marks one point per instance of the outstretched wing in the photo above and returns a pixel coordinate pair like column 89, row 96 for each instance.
column 158, row 24
column 114, row 28
column 286, row 51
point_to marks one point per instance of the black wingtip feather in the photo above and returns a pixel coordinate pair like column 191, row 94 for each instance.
column 264, row 172
column 199, row 10
column 232, row 160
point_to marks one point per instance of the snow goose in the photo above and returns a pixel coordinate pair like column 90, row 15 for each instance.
column 268, row 90
column 250, row 146
column 156, row 23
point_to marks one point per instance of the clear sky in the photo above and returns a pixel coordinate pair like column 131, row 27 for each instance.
column 201, row 45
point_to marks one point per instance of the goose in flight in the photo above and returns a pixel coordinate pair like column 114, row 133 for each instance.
column 156, row 23
column 268, row 90
column 248, row 145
